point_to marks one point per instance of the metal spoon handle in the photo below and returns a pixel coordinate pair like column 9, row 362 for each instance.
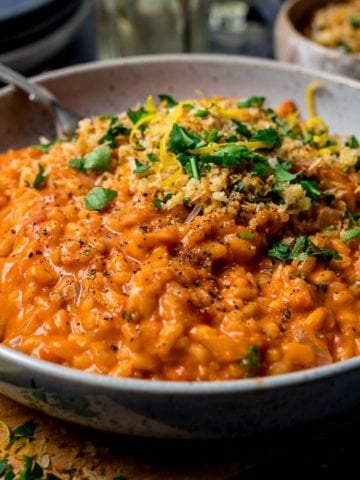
column 35, row 92
column 65, row 121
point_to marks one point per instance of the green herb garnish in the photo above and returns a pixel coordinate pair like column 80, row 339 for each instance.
column 127, row 315
column 242, row 129
column 302, row 249
column 152, row 157
column 40, row 178
column 344, row 46
column 26, row 430
column 168, row 100
column 269, row 136
column 353, row 142
column 311, row 188
column 246, row 235
column 282, row 173
column 136, row 115
column 182, row 139
column 252, row 360
column 115, row 129
column 354, row 21
column 353, row 218
column 99, row 160
column 351, row 235
column 251, row 102
column 140, row 168
column 202, row 113
column 99, row 198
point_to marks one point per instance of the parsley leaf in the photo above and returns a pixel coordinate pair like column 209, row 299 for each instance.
column 251, row 102
column 232, row 155
column 353, row 218
column 242, row 129
column 282, row 173
column 354, row 21
column 246, row 235
column 99, row 198
column 152, row 157
column 140, row 167
column 353, row 142
column 115, row 129
column 302, row 249
column 344, row 46
column 311, row 188
column 136, row 115
column 182, row 139
column 40, row 178
column 267, row 135
column 98, row 160
column 252, row 360
column 202, row 113
column 168, row 99
column 158, row 203
column 26, row 430
column 351, row 234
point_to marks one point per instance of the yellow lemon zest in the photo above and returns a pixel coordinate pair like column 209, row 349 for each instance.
column 4, row 436
column 357, row 189
column 310, row 97
column 329, row 150
column 319, row 129
column 241, row 114
column 150, row 104
column 292, row 119
column 173, row 178
column 135, row 128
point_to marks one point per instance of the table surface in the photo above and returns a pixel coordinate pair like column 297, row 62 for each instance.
column 73, row 452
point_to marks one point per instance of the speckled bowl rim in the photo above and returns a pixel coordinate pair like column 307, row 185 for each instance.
column 105, row 383
column 325, row 51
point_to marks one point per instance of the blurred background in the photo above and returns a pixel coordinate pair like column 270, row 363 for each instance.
column 41, row 35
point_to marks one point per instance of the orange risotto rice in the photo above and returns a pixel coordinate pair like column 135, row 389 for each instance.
column 205, row 239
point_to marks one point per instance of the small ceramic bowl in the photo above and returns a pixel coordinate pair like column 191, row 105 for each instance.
column 291, row 45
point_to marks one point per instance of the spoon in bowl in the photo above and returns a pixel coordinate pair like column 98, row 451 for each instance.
column 65, row 120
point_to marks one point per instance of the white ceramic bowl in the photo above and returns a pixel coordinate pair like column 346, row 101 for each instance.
column 291, row 45
column 158, row 408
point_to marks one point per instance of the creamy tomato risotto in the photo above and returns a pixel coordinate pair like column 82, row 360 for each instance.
column 205, row 239
column 337, row 25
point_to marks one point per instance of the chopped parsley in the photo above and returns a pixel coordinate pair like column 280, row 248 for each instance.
column 282, row 173
column 302, row 249
column 351, row 234
column 242, row 129
column 202, row 113
column 136, row 115
column 168, row 100
column 115, row 129
column 353, row 142
column 40, row 178
column 98, row 160
column 182, row 139
column 351, row 217
column 127, row 315
column 354, row 21
column 343, row 46
column 140, row 168
column 152, row 157
column 26, row 430
column 311, row 188
column 269, row 136
column 251, row 102
column 99, row 198
column 158, row 203
column 252, row 360
column 246, row 235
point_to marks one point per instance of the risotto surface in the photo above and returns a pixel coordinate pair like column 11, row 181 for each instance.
column 205, row 239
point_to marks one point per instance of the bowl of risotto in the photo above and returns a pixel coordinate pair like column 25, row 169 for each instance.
column 323, row 34
column 188, row 263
